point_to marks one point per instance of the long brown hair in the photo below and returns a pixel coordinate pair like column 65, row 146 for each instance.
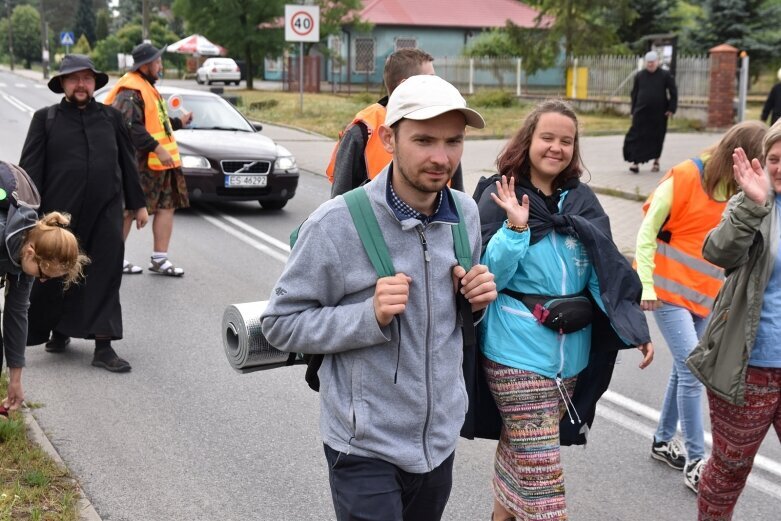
column 748, row 135
column 514, row 160
column 56, row 247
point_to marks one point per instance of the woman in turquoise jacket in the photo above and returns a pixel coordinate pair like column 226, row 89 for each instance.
column 534, row 348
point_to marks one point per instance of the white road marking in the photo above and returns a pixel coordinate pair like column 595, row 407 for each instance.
column 761, row 484
column 20, row 85
column 17, row 103
column 638, row 408
column 281, row 257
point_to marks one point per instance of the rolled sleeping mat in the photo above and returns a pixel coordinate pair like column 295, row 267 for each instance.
column 245, row 346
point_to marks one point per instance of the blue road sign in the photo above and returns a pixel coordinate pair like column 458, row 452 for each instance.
column 66, row 38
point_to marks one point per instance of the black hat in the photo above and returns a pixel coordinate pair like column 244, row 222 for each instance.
column 73, row 63
column 145, row 53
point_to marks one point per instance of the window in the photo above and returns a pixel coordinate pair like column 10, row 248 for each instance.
column 406, row 42
column 364, row 55
column 273, row 64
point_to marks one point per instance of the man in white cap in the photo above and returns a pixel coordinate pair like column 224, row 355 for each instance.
column 392, row 396
column 654, row 100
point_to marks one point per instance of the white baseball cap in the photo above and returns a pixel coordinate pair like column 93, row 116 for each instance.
column 425, row 97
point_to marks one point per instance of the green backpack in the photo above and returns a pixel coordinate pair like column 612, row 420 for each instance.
column 374, row 244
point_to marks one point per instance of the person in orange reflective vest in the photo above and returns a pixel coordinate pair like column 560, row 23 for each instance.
column 159, row 164
column 359, row 154
column 680, row 286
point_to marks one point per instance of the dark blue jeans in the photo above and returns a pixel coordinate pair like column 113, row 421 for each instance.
column 368, row 489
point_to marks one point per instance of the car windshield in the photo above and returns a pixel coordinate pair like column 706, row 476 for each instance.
column 212, row 113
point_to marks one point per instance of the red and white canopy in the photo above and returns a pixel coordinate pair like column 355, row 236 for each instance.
column 196, row 44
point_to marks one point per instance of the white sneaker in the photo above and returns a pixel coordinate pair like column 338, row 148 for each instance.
column 691, row 474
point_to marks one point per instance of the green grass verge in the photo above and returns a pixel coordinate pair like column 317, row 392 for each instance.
column 328, row 114
column 32, row 486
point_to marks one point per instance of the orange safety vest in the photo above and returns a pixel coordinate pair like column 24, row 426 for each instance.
column 682, row 277
column 375, row 155
column 156, row 118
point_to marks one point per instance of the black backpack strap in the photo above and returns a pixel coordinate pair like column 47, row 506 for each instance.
column 51, row 115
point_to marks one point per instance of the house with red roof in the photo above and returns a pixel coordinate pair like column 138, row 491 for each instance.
column 439, row 27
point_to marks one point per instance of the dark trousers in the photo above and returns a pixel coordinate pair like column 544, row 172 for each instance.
column 368, row 489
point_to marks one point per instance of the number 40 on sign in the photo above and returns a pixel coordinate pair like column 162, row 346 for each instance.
column 302, row 23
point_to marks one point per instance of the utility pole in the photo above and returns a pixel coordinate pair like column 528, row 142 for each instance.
column 145, row 21
column 44, row 43
column 10, row 33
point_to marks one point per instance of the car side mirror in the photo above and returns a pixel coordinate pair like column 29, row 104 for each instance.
column 258, row 126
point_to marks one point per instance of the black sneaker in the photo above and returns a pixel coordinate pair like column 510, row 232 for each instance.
column 691, row 474
column 669, row 452
column 57, row 344
column 110, row 361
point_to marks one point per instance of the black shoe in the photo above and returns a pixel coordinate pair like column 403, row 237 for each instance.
column 669, row 452
column 110, row 361
column 634, row 169
column 692, row 473
column 57, row 344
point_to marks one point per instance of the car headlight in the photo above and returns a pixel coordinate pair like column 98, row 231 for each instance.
column 285, row 163
column 195, row 162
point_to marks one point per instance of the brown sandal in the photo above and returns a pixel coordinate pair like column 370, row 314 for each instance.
column 655, row 168
column 170, row 270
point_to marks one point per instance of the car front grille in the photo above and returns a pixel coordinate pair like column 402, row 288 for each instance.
column 245, row 166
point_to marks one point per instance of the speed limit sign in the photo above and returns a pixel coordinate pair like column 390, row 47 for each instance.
column 302, row 23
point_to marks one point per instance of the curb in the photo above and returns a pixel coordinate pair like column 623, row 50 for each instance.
column 86, row 511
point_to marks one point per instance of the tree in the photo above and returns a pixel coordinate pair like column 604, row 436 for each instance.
column 235, row 25
column 495, row 43
column 84, row 21
column 749, row 25
column 582, row 27
column 648, row 17
column 27, row 34
column 334, row 14
column 81, row 46
column 101, row 24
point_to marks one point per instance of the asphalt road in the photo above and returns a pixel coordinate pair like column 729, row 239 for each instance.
column 184, row 437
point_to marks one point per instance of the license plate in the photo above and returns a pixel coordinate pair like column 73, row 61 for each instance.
column 245, row 180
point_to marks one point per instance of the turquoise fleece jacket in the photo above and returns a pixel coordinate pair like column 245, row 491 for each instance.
column 556, row 265
column 394, row 393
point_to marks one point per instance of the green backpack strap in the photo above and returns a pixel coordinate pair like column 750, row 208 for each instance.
column 369, row 231
column 461, row 239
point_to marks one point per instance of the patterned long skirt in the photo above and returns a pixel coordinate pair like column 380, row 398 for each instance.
column 528, row 478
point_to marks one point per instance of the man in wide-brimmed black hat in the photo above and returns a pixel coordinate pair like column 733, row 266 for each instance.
column 79, row 155
column 157, row 154
column 77, row 63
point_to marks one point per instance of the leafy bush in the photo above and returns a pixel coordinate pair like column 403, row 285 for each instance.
column 492, row 98
column 105, row 53
column 263, row 105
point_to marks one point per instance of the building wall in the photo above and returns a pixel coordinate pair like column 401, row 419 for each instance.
column 435, row 41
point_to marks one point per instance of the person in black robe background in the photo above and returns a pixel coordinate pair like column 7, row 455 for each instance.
column 654, row 100
column 79, row 155
column 772, row 106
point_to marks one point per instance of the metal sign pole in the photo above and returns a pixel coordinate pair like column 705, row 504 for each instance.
column 301, row 73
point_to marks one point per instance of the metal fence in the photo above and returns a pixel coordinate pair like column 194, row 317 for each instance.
column 608, row 77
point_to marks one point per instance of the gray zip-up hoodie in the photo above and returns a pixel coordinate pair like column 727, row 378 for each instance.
column 394, row 393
